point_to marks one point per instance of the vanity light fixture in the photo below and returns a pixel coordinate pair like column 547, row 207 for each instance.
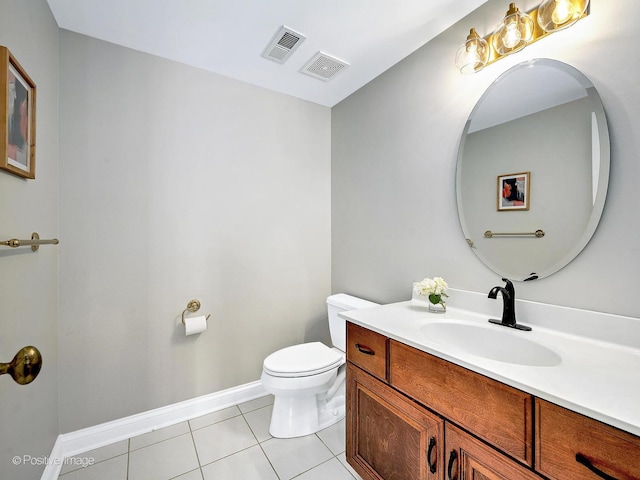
column 517, row 30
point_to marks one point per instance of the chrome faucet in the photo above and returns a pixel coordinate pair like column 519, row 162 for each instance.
column 509, row 306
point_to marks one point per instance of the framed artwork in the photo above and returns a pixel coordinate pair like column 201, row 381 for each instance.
column 17, row 118
column 513, row 191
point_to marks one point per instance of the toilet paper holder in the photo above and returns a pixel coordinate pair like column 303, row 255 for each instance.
column 192, row 306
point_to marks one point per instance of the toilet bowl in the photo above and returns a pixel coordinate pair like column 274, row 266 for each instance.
column 308, row 380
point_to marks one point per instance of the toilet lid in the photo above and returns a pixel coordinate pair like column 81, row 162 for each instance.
column 302, row 360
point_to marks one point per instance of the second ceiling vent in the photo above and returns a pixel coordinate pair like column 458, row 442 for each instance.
column 283, row 44
column 324, row 67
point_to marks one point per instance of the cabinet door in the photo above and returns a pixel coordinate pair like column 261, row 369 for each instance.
column 470, row 459
column 390, row 437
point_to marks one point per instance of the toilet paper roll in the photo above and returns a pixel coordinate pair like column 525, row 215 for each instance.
column 194, row 325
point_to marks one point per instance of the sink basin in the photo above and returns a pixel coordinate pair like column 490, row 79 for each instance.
column 493, row 342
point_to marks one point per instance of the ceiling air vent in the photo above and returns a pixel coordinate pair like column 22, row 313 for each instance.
column 323, row 66
column 283, row 44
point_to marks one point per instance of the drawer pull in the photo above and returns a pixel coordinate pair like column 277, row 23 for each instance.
column 585, row 461
column 364, row 349
column 453, row 456
column 432, row 445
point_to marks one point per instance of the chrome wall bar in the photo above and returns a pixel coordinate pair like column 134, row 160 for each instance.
column 35, row 242
column 538, row 234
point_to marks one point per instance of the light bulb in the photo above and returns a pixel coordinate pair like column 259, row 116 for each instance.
column 469, row 59
column 512, row 35
column 562, row 12
column 472, row 54
column 555, row 15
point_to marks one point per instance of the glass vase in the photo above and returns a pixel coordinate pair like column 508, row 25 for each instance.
column 440, row 307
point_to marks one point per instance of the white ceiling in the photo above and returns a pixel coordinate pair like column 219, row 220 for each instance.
column 228, row 36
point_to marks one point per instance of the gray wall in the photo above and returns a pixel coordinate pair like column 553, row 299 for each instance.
column 176, row 184
column 394, row 150
column 28, row 297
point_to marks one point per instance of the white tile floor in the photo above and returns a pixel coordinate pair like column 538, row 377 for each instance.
column 231, row 444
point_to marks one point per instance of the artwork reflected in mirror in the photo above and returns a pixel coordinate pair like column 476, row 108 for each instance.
column 513, row 191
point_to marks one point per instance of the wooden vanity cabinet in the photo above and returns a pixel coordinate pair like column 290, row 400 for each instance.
column 413, row 416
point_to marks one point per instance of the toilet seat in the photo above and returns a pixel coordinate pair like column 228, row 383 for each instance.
column 302, row 360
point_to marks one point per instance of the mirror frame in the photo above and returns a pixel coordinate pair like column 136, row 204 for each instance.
column 603, row 177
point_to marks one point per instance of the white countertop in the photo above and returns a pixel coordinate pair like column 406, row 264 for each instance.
column 598, row 379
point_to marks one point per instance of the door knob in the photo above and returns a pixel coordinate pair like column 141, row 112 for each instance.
column 25, row 366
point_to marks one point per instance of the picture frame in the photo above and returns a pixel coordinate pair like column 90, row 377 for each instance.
column 17, row 118
column 513, row 191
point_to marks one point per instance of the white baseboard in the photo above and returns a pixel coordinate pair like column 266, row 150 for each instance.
column 86, row 439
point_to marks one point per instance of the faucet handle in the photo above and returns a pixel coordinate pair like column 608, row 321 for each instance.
column 510, row 288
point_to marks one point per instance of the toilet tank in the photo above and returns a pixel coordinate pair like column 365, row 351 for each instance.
column 342, row 302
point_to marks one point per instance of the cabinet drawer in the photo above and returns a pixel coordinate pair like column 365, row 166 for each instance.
column 491, row 410
column 566, row 442
column 367, row 349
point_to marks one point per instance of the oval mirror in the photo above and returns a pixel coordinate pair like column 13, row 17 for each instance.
column 534, row 157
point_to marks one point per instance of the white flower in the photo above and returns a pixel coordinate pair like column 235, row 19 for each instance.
column 432, row 286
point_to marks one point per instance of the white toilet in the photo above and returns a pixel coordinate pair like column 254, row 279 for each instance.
column 308, row 380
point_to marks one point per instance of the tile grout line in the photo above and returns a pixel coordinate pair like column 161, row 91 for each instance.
column 214, row 423
column 128, row 456
column 230, row 454
column 193, row 440
column 335, row 455
column 260, row 444
column 256, row 437
column 311, row 468
column 262, row 449
column 61, row 475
